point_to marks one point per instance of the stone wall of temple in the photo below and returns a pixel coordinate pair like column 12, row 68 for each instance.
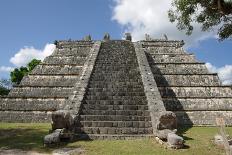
column 187, row 88
column 47, row 88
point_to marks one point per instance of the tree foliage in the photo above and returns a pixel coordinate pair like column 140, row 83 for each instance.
column 4, row 91
column 18, row 73
column 5, row 86
column 31, row 65
column 209, row 13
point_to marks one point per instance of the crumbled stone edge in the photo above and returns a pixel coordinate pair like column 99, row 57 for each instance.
column 155, row 103
column 153, row 96
column 80, row 87
column 163, row 42
column 63, row 120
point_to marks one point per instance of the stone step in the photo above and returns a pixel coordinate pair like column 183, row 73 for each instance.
column 65, row 60
column 202, row 118
column 21, row 104
column 176, row 63
column 25, row 116
column 179, row 69
column 178, row 54
column 105, row 84
column 40, row 92
column 59, row 81
column 114, row 118
column 115, row 93
column 217, row 91
column 119, row 124
column 116, row 112
column 60, row 65
column 45, row 69
column 115, row 73
column 55, row 75
column 163, row 43
column 106, row 57
column 93, row 97
column 198, row 104
column 187, row 80
column 115, row 65
column 117, row 102
column 114, row 136
column 75, row 46
column 119, row 71
column 113, row 107
column 116, row 77
column 81, row 52
column 118, row 80
column 164, row 50
column 71, row 43
column 210, row 74
column 64, row 56
column 171, row 58
column 116, row 89
column 113, row 61
column 112, row 130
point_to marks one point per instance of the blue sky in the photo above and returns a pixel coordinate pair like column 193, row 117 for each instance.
column 32, row 24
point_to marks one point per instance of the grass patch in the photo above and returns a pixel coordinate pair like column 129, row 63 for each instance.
column 29, row 137
column 25, row 136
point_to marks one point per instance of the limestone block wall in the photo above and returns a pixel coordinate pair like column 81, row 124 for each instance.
column 186, row 86
column 47, row 88
column 154, row 100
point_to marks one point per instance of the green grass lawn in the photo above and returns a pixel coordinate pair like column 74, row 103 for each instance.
column 29, row 137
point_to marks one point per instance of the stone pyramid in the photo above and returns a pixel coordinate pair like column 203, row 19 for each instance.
column 119, row 89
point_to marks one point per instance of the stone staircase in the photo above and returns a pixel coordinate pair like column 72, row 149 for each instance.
column 187, row 88
column 115, row 105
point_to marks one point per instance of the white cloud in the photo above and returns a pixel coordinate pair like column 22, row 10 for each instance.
column 26, row 54
column 224, row 73
column 5, row 69
column 151, row 17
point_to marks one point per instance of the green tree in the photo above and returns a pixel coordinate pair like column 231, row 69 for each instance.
column 18, row 73
column 5, row 86
column 209, row 13
column 31, row 65
column 4, row 91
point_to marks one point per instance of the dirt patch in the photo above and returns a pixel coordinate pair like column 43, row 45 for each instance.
column 61, row 151
column 19, row 152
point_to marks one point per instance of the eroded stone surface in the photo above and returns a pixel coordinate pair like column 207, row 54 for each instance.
column 62, row 119
column 52, row 138
column 175, row 141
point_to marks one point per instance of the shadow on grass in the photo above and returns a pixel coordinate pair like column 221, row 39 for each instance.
column 24, row 139
column 182, row 130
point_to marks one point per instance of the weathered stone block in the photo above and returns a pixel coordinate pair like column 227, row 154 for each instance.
column 53, row 138
column 175, row 141
column 163, row 134
column 166, row 120
column 62, row 119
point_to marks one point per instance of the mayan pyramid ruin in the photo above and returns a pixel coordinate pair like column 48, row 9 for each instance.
column 119, row 89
